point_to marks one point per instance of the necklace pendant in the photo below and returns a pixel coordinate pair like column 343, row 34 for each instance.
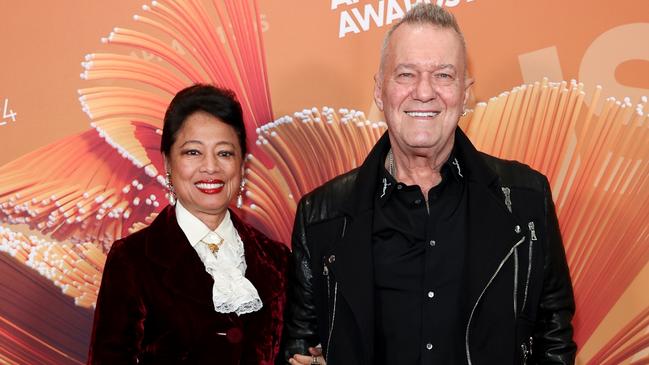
column 213, row 247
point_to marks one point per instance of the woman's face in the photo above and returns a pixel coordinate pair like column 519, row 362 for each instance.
column 206, row 166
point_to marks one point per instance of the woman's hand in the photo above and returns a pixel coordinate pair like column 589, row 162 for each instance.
column 315, row 358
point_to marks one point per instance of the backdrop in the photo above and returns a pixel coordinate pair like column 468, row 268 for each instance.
column 84, row 85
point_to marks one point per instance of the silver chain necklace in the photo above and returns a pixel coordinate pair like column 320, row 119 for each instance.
column 392, row 169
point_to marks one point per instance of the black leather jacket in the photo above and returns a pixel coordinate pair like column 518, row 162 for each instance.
column 518, row 301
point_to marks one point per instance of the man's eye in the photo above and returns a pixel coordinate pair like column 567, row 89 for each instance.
column 444, row 76
column 405, row 75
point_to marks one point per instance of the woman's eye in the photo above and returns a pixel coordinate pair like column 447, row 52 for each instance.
column 226, row 153
column 191, row 152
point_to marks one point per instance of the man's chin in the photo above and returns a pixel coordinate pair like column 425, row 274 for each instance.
column 423, row 142
column 424, row 146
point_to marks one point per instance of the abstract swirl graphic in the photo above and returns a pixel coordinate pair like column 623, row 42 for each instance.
column 62, row 206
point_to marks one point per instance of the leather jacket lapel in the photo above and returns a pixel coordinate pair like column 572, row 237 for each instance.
column 353, row 260
column 491, row 226
column 351, row 264
column 492, row 235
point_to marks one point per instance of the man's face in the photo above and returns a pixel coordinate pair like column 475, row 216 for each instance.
column 422, row 87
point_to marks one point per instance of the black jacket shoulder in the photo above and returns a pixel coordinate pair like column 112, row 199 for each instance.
column 515, row 174
column 325, row 202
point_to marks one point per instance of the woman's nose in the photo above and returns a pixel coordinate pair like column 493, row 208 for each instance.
column 210, row 164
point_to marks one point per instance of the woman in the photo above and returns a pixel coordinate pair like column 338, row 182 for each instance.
column 198, row 286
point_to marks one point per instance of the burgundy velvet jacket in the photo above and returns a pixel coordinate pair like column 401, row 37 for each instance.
column 155, row 301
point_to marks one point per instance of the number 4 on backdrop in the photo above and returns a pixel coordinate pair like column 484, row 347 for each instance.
column 7, row 113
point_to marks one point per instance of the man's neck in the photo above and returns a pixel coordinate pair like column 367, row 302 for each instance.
column 421, row 169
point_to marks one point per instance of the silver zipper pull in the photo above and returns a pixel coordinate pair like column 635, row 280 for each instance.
column 525, row 352
column 530, row 225
column 508, row 198
column 325, row 269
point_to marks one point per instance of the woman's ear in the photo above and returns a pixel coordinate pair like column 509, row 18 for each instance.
column 166, row 163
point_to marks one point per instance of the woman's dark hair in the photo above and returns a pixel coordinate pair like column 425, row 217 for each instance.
column 220, row 103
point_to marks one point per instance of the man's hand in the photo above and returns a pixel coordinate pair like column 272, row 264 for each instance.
column 315, row 358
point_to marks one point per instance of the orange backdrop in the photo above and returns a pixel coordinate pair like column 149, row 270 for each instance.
column 288, row 57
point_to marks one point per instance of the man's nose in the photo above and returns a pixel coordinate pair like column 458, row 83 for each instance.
column 424, row 89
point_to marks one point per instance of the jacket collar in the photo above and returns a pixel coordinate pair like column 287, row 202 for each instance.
column 477, row 170
column 363, row 192
column 363, row 195
column 185, row 274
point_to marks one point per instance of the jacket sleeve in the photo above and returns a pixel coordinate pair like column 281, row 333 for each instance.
column 300, row 321
column 553, row 330
column 119, row 315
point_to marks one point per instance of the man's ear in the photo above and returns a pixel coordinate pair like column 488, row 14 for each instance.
column 468, row 83
column 378, row 90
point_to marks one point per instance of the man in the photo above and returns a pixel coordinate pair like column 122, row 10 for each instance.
column 430, row 252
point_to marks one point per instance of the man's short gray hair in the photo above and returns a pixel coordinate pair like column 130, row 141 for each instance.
column 422, row 13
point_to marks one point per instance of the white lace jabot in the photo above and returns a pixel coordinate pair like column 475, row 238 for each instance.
column 232, row 291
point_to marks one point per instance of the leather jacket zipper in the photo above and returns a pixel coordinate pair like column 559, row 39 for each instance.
column 332, row 313
column 468, row 326
column 325, row 273
column 333, row 320
column 533, row 238
column 515, row 282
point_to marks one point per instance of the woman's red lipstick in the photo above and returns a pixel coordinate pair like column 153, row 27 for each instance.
column 210, row 186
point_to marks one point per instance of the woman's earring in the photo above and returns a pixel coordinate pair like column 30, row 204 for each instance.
column 240, row 196
column 464, row 112
column 171, row 193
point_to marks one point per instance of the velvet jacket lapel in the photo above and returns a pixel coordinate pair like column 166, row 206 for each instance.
column 491, row 234
column 167, row 245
